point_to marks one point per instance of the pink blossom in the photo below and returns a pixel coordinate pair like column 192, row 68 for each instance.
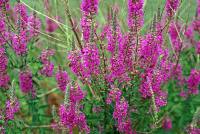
column 21, row 16
column 20, row 43
column 89, row 8
column 4, row 80
column 171, row 7
column 12, row 107
column 34, row 24
column 167, row 123
column 51, row 26
column 189, row 32
column 174, row 33
column 193, row 82
column 91, row 59
column 25, row 81
column 47, row 69
column 76, row 94
column 62, row 79
column 135, row 15
column 76, row 65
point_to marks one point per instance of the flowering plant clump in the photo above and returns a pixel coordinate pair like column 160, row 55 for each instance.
column 112, row 67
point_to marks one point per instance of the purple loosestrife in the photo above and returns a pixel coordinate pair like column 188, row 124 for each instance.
column 89, row 6
column 12, row 107
column 20, row 43
column 193, row 82
column 2, row 2
column 135, row 15
column 114, row 95
column 189, row 34
column 22, row 16
column 25, row 81
column 149, row 52
column 114, row 35
column 70, row 115
column 193, row 130
column 121, row 109
column 125, row 53
column 161, row 99
column 70, row 118
column 114, row 38
column 177, row 74
column 118, row 70
column 154, row 61
column 62, row 79
column 115, row 41
column 47, row 69
column 120, row 113
column 4, row 78
column 174, row 33
column 34, row 25
column 196, row 21
column 86, row 26
column 167, row 123
column 3, row 61
column 152, row 81
column 76, row 64
column 171, row 7
column 104, row 32
column 89, row 9
column 196, row 24
column 91, row 59
column 126, row 127
column 135, row 23
column 3, row 32
column 48, row 66
column 46, row 54
column 51, row 26
column 76, row 94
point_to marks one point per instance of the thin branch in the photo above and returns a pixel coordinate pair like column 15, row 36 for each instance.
column 72, row 23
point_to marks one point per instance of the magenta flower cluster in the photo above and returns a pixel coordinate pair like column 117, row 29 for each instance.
column 48, row 66
column 70, row 114
column 62, row 79
column 135, row 15
column 4, row 77
column 167, row 123
column 171, row 7
column 174, row 32
column 76, row 64
column 12, row 107
column 120, row 113
column 91, row 59
column 193, row 82
column 25, row 81
column 89, row 10
column 27, row 28
column 34, row 25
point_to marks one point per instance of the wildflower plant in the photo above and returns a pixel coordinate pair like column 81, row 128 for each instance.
column 97, row 71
